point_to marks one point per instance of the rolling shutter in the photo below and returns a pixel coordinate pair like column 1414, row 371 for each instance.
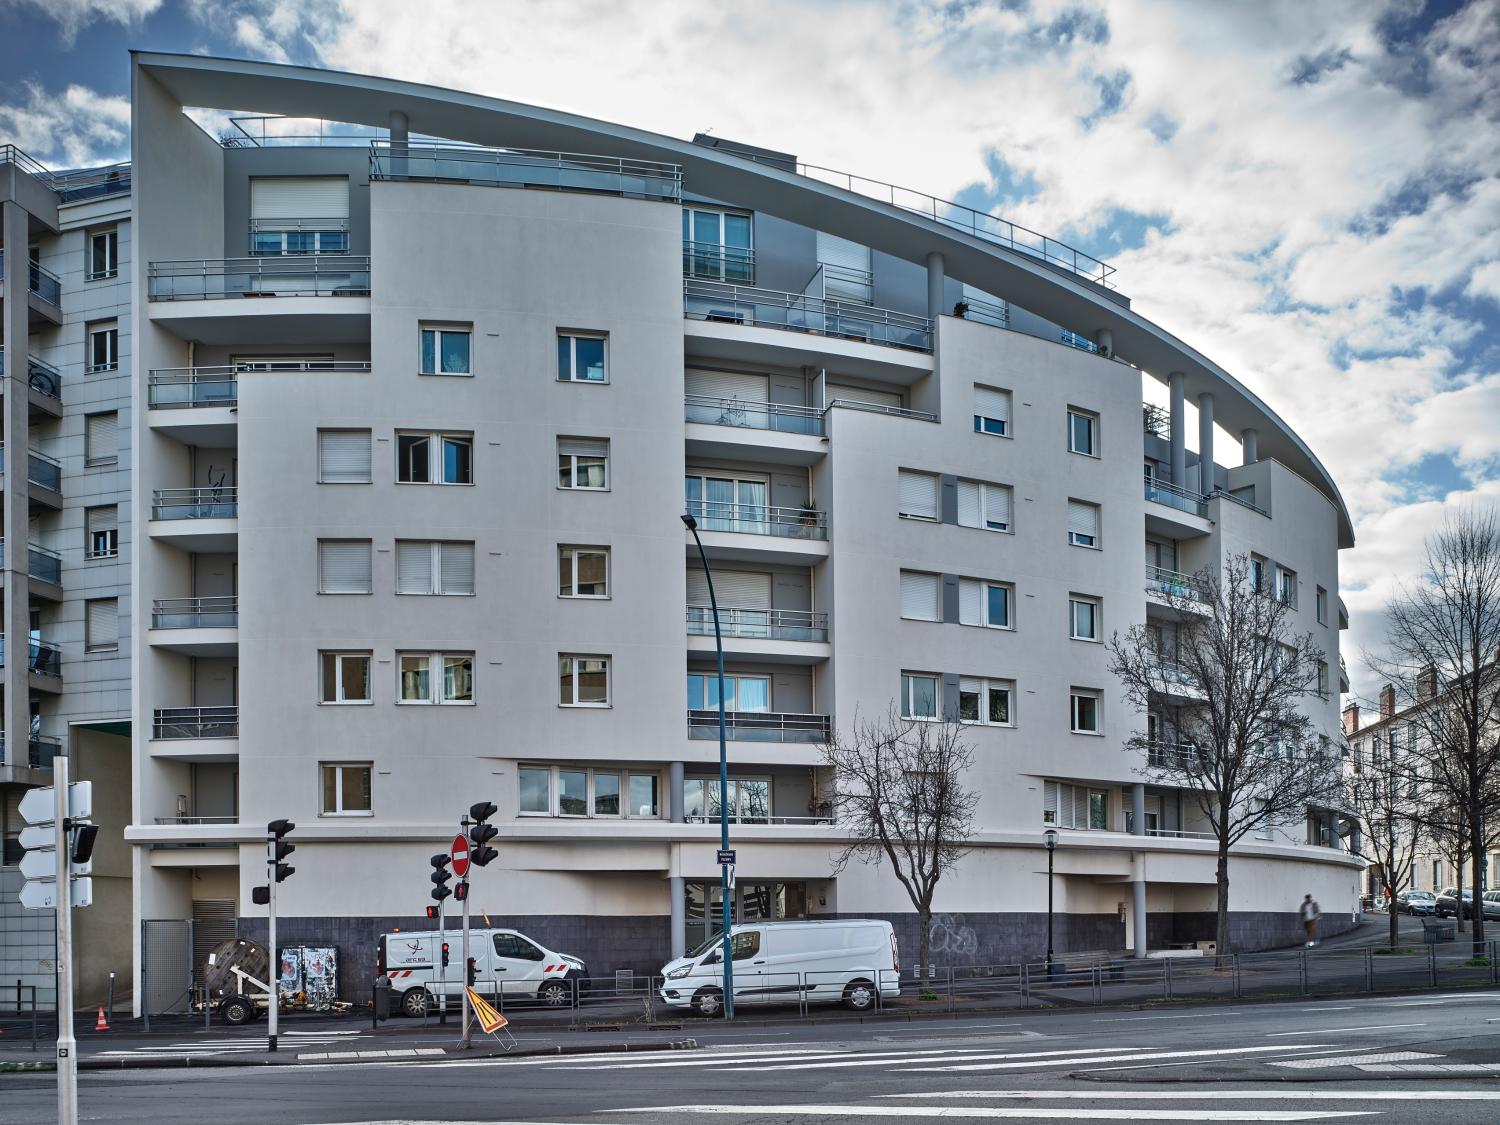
column 102, row 623
column 344, row 456
column 414, row 567
column 583, row 447
column 921, row 596
column 728, row 385
column 919, row 495
column 100, row 437
column 299, row 197
column 456, row 567
column 835, row 251
column 737, row 589
column 344, row 566
column 1083, row 518
column 101, row 520
column 862, row 394
column 992, row 404
column 970, row 504
column 1049, row 802
column 970, row 601
column 997, row 505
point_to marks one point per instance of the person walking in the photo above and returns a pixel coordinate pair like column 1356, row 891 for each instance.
column 1309, row 913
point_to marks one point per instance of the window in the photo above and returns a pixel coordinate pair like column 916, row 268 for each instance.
column 104, row 254
column 346, row 677
column 580, row 358
column 1083, row 524
column 102, row 533
column 424, row 567
column 985, row 603
column 101, row 624
column 921, row 596
column 344, row 566
column 1323, row 689
column 727, row 502
column 446, row 351
column 918, row 495
column 436, row 677
column 716, row 245
column 435, row 458
column 1075, row 806
column 1259, row 580
column 516, row 948
column 983, row 505
column 343, row 456
column 583, row 680
column 299, row 215
column 1263, row 827
column 749, row 799
column 104, row 346
column 583, row 463
column 741, row 693
column 991, row 411
column 1084, row 709
column 346, row 788
column 583, row 572
column 1322, row 606
column 1083, row 432
column 987, row 702
column 609, row 793
column 919, row 696
column 1083, row 618
column 99, row 439
column 1286, row 586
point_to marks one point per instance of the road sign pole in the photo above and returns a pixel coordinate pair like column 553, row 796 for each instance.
column 437, row 955
column 67, row 1046
column 274, row 971
column 467, row 1012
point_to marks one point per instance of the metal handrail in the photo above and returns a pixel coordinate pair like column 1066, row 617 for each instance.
column 996, row 315
column 1220, row 494
column 216, row 612
column 1180, row 834
column 10, row 154
column 736, row 818
column 42, row 657
column 728, row 263
column 167, row 820
column 194, row 503
column 502, row 167
column 332, row 222
column 1172, row 582
column 762, row 624
column 42, row 563
column 42, row 469
column 758, row 519
column 1173, row 496
column 266, row 275
column 44, row 378
column 40, row 280
column 798, row 312
column 195, row 722
column 878, row 408
column 41, row 750
column 1170, row 754
column 857, row 284
column 781, row 417
column 760, row 726
column 1155, row 421
column 93, row 183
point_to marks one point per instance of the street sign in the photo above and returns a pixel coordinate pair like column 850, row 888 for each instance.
column 460, row 854
column 36, row 805
column 43, row 896
column 731, row 876
column 41, row 863
column 39, row 836
column 726, row 856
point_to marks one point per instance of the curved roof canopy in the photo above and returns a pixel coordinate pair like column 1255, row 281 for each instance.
column 294, row 91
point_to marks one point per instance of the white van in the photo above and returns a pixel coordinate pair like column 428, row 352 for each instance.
column 504, row 960
column 847, row 960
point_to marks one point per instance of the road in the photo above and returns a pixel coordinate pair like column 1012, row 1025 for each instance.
column 1408, row 1059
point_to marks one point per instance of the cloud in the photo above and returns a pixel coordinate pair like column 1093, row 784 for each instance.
column 74, row 15
column 76, row 128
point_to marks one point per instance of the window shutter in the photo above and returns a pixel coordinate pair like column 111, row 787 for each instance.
column 100, row 437
column 1049, row 799
column 738, row 589
column 1083, row 518
column 344, row 456
column 414, row 567
column 992, row 404
column 456, row 567
column 919, row 494
column 344, row 566
column 833, row 392
column 835, row 251
column 299, row 197
column 583, row 447
column 102, row 622
column 921, row 596
column 1080, row 806
column 101, row 520
column 697, row 588
column 997, row 504
column 728, row 384
column 969, row 504
column 970, row 602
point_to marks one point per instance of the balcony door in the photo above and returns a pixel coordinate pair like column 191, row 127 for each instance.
column 727, row 503
column 729, row 398
column 744, row 602
column 716, row 246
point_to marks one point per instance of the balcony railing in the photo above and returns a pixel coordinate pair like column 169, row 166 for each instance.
column 532, row 168
column 195, row 504
column 714, row 261
column 1170, row 755
column 186, row 819
column 1155, row 421
column 751, row 818
column 995, row 314
column 1176, row 675
column 41, row 563
column 1160, row 492
column 195, row 613
column 1220, row 494
column 759, row 624
column 797, row 312
column 41, row 470
column 42, row 657
column 92, row 183
column 41, row 281
column 779, row 417
column 40, row 750
column 1179, row 834
column 301, row 275
column 1174, row 584
column 44, row 378
column 758, row 519
column 879, row 408
column 759, row 726
column 195, row 722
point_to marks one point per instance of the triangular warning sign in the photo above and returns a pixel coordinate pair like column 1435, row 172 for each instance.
column 490, row 1021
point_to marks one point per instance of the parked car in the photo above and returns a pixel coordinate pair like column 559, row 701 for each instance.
column 1491, row 905
column 1416, row 902
column 517, row 965
column 1447, row 903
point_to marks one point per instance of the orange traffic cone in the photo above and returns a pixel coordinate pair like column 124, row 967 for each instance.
column 101, row 1024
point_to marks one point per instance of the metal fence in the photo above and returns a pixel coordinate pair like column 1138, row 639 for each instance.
column 166, row 967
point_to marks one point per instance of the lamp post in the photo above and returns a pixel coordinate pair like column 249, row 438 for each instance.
column 1049, row 837
column 724, row 888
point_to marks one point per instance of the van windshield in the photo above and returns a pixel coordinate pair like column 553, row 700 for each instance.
column 712, row 943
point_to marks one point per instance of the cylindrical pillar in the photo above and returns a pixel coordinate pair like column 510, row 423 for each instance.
column 400, row 150
column 398, row 127
column 1104, row 339
column 934, row 286
column 1205, row 443
column 1250, row 442
column 1138, row 809
column 675, row 806
column 677, row 890
column 1138, row 916
column 1177, row 384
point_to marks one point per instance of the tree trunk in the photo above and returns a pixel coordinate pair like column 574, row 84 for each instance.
column 1476, row 858
column 924, row 948
column 1395, row 918
column 1458, row 890
column 1221, row 928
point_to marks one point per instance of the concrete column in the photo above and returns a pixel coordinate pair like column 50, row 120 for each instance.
column 1250, row 440
column 13, row 431
column 1205, row 443
column 1104, row 339
column 399, row 147
column 676, row 807
column 1177, row 383
column 677, row 890
column 1138, row 870
column 1138, row 916
column 934, row 287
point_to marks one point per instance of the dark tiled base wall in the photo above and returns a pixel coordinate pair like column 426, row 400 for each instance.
column 643, row 944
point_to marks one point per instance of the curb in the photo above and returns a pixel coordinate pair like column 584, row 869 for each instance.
column 1283, row 1079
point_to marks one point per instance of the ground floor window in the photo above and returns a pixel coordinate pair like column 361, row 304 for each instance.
column 749, row 902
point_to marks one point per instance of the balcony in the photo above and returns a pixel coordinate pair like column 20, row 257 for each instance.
column 44, row 302
column 797, row 312
column 527, row 168
column 92, row 183
column 1178, row 683
column 40, row 751
column 714, row 261
column 995, row 314
column 196, row 519
column 793, row 536
column 44, row 385
column 181, row 723
column 1170, row 755
column 44, row 472
column 759, row 726
column 299, row 236
column 758, row 624
column 1155, row 422
column 1179, row 592
column 302, row 275
column 781, row 418
column 1161, row 492
column 238, row 302
column 207, row 626
column 43, row 566
column 43, row 657
column 174, row 388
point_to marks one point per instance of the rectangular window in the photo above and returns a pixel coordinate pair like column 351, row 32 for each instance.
column 1083, row 618
column 583, row 572
column 983, row 505
column 1323, row 689
column 346, row 788
column 1084, row 709
column 919, row 696
column 1322, row 606
column 434, row 567
column 435, row 677
column 104, row 254
column 987, row 702
column 644, row 797
column 99, row 438
column 583, row 463
column 1075, row 806
column 343, row 456
column 1286, row 586
column 1083, row 524
column 536, row 789
column 748, row 800
column 344, row 566
column 583, row 681
column 429, row 458
column 917, row 495
column 581, row 358
column 921, row 596
column 716, row 245
column 446, row 351
column 985, row 603
column 1259, row 580
column 1083, row 432
column 299, row 215
column 104, row 346
column 346, row 677
column 741, row 693
column 102, row 624
column 102, row 532
column 991, row 411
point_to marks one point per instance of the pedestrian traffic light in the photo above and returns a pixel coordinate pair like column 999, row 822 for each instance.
column 279, row 849
column 440, row 877
column 480, row 835
column 83, row 842
column 445, row 954
column 471, row 975
column 432, row 912
column 261, row 895
column 461, row 891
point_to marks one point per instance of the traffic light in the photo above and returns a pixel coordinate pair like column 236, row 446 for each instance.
column 432, row 912
column 472, row 974
column 83, row 842
column 261, row 895
column 445, row 954
column 279, row 849
column 440, row 877
column 480, row 835
column 461, row 891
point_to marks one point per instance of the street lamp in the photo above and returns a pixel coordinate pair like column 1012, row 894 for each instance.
column 1049, row 838
column 724, row 890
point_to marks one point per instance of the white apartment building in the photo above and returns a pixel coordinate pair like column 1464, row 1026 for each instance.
column 422, row 383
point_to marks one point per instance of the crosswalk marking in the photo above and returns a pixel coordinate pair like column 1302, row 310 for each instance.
column 1353, row 1060
column 1215, row 1095
column 808, row 1061
column 1137, row 1056
column 899, row 1058
column 1332, row 1030
column 1030, row 1113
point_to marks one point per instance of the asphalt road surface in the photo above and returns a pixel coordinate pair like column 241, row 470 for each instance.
column 1407, row 1059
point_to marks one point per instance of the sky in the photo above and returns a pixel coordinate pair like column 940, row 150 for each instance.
column 1307, row 192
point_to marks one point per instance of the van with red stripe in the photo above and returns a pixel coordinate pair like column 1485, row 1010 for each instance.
column 505, row 962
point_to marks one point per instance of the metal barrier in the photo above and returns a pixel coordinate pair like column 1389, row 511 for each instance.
column 166, row 967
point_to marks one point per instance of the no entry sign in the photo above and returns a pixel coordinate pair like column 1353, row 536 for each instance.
column 460, row 854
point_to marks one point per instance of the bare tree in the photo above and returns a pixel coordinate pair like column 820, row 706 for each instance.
column 1442, row 638
column 1222, row 696
column 898, row 790
column 1382, row 797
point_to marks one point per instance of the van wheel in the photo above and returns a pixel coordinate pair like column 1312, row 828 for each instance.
column 414, row 1002
column 237, row 1010
column 859, row 996
column 708, row 1002
column 554, row 994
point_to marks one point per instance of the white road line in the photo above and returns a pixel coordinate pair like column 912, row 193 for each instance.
column 1132, row 1019
column 1030, row 1113
column 1437, row 1094
column 1132, row 1057
column 1433, row 1068
column 718, row 1053
column 1340, row 1008
column 900, row 1058
column 806, row 1060
column 1334, row 1030
column 1352, row 1060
